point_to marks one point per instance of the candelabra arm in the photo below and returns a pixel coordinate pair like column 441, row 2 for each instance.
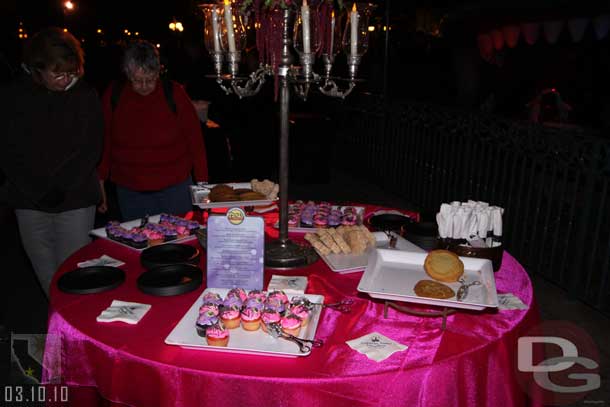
column 254, row 83
column 330, row 88
column 226, row 89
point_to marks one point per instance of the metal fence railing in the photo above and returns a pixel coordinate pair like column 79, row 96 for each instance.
column 552, row 182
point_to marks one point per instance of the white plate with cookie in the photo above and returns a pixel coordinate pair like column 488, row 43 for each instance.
column 393, row 275
column 200, row 195
column 351, row 263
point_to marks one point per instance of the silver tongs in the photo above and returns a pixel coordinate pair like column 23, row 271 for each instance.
column 305, row 345
column 344, row 306
column 463, row 290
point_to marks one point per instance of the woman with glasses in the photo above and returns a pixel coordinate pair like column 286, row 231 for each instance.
column 49, row 150
column 153, row 147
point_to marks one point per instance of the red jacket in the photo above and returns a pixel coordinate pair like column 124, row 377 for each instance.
column 147, row 147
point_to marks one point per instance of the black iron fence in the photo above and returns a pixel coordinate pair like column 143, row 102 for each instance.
column 552, row 182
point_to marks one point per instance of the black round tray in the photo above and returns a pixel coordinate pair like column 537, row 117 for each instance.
column 423, row 234
column 388, row 221
column 171, row 279
column 91, row 280
column 170, row 253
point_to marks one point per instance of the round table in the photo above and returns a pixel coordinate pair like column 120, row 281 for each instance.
column 470, row 363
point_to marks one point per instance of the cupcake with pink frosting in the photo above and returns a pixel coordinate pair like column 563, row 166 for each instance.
column 217, row 335
column 250, row 319
column 269, row 316
column 291, row 324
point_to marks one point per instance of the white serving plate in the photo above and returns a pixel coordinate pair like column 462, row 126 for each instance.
column 392, row 274
column 351, row 263
column 101, row 232
column 240, row 340
column 200, row 192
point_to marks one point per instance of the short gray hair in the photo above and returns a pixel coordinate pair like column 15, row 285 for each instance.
column 141, row 54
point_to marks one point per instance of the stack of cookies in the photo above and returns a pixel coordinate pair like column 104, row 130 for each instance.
column 226, row 193
column 444, row 267
column 342, row 240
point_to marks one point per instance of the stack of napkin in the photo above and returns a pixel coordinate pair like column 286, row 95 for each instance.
column 129, row 312
column 472, row 220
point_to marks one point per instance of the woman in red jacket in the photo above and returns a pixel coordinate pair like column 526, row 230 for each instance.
column 153, row 149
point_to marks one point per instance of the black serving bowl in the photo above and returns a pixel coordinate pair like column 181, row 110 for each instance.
column 491, row 253
column 422, row 234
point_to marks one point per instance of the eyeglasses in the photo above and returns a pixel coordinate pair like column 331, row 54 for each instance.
column 60, row 76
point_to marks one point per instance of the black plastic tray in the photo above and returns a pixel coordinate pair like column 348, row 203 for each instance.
column 91, row 280
column 172, row 279
column 167, row 254
column 388, row 221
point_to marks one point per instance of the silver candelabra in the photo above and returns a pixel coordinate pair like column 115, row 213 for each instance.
column 225, row 38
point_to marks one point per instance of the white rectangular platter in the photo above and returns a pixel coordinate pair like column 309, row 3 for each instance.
column 101, row 232
column 351, row 263
column 392, row 274
column 200, row 192
column 240, row 340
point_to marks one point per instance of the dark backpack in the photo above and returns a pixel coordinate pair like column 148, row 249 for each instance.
column 117, row 88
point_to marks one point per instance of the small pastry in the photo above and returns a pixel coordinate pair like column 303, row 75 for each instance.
column 238, row 292
column 302, row 312
column 254, row 303
column 275, row 304
column 204, row 321
column 291, row 324
column 268, row 316
column 230, row 317
column 278, row 294
column 250, row 319
column 212, row 298
column 258, row 295
column 209, row 308
column 217, row 335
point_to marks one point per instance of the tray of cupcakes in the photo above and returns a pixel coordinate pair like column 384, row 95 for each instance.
column 305, row 217
column 236, row 320
column 139, row 234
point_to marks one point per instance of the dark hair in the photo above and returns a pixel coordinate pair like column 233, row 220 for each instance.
column 141, row 54
column 54, row 49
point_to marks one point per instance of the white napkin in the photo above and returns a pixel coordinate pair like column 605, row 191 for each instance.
column 510, row 301
column 101, row 261
column 288, row 284
column 129, row 312
column 376, row 346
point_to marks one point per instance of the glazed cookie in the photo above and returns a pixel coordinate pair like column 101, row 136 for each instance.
column 433, row 289
column 443, row 265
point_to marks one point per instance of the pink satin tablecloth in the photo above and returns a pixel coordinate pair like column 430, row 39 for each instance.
column 471, row 363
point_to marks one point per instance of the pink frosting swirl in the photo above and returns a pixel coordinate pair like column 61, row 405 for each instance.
column 291, row 322
column 230, row 314
column 300, row 311
column 250, row 314
column 217, row 331
column 269, row 316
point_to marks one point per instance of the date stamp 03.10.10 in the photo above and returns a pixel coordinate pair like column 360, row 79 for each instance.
column 34, row 394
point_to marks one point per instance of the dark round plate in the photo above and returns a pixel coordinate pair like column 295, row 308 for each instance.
column 172, row 279
column 170, row 253
column 90, row 280
column 388, row 221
